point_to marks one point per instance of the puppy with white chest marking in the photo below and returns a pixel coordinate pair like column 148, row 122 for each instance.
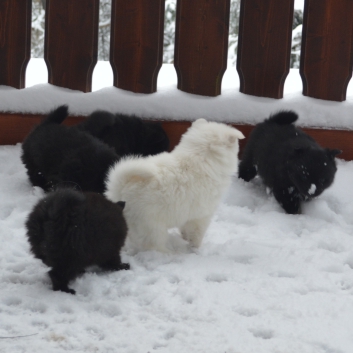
column 289, row 161
column 178, row 189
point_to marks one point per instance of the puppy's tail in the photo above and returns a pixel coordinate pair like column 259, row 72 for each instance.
column 128, row 172
column 56, row 116
column 284, row 117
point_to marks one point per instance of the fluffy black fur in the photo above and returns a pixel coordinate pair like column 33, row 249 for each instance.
column 289, row 161
column 129, row 135
column 69, row 231
column 55, row 154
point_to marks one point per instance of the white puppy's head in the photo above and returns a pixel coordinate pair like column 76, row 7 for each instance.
column 211, row 138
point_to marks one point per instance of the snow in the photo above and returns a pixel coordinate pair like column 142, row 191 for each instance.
column 170, row 103
column 312, row 189
column 299, row 4
column 262, row 281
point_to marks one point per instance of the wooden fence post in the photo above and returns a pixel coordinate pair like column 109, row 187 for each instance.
column 327, row 48
column 136, row 44
column 71, row 42
column 264, row 46
column 201, row 45
column 15, row 41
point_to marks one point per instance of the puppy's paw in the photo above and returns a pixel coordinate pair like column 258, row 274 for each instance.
column 115, row 266
column 124, row 266
column 66, row 290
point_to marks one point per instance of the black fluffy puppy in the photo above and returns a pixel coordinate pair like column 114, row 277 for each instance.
column 289, row 161
column 127, row 134
column 69, row 231
column 56, row 154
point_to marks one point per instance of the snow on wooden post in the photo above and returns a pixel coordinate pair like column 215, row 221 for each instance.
column 201, row 45
column 136, row 44
column 71, row 42
column 264, row 46
column 15, row 41
column 327, row 48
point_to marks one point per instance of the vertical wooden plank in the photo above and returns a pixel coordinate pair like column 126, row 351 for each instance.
column 201, row 45
column 264, row 46
column 327, row 48
column 136, row 44
column 71, row 42
column 15, row 41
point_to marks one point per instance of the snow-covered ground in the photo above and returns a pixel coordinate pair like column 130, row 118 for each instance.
column 262, row 281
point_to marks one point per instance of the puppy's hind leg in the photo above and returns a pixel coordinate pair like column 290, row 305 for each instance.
column 37, row 178
column 115, row 264
column 246, row 170
column 149, row 237
column 157, row 239
column 60, row 277
column 194, row 230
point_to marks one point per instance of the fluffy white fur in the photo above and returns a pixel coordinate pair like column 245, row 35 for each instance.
column 178, row 189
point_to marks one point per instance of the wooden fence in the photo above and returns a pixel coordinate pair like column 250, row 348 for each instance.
column 201, row 44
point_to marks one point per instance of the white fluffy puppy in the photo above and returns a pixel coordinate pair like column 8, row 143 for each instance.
column 178, row 189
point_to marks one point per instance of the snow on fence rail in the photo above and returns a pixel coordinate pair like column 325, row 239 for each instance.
column 201, row 44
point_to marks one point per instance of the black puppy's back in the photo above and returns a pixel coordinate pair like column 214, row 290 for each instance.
column 70, row 231
column 54, row 154
column 128, row 134
column 261, row 151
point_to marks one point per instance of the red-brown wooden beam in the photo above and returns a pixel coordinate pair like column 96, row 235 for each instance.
column 71, row 42
column 136, row 44
column 15, row 41
column 327, row 48
column 201, row 45
column 264, row 46
column 15, row 127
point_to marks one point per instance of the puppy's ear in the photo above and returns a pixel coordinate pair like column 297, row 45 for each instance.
column 121, row 204
column 199, row 122
column 333, row 153
column 234, row 136
column 239, row 134
column 155, row 136
column 299, row 151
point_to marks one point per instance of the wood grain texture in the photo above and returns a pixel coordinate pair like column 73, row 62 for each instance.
column 15, row 127
column 201, row 45
column 136, row 44
column 71, row 42
column 15, row 41
column 264, row 46
column 327, row 48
